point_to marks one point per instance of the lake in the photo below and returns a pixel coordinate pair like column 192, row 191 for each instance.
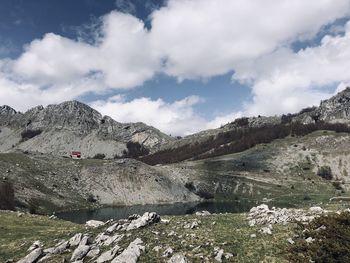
column 106, row 213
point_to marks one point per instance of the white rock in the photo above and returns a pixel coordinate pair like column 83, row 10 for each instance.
column 94, row 223
column 131, row 253
column 219, row 255
column 178, row 258
column 146, row 219
column 80, row 252
column 32, row 256
column 290, row 241
column 75, row 240
column 309, row 240
column 253, row 235
column 108, row 255
column 36, row 244
column 168, row 252
column 203, row 213
column 112, row 228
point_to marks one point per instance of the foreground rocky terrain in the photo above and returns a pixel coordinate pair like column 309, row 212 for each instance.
column 202, row 237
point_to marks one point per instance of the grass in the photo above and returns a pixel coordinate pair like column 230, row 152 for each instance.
column 229, row 232
column 18, row 233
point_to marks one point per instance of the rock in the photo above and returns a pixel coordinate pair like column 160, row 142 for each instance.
column 108, row 255
column 60, row 247
column 45, row 258
column 309, row 240
column 94, row 252
column 266, row 230
column 203, row 213
column 36, row 244
column 219, row 255
column 53, row 217
column 157, row 248
column 94, row 223
column 112, row 228
column 100, row 238
column 172, row 233
column 164, row 221
column 80, row 252
column 32, row 256
column 253, row 235
column 112, row 239
column 168, row 252
column 316, row 210
column 146, row 219
column 261, row 215
column 228, row 255
column 86, row 240
column 75, row 240
column 178, row 258
column 290, row 241
column 131, row 253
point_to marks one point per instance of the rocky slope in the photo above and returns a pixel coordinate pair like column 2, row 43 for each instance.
column 47, row 183
column 72, row 126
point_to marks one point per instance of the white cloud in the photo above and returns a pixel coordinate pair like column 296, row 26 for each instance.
column 177, row 118
column 189, row 39
column 210, row 37
column 122, row 56
column 286, row 81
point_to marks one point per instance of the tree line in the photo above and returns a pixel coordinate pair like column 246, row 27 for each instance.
column 237, row 140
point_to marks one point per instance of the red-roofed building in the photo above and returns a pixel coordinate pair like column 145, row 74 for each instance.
column 75, row 155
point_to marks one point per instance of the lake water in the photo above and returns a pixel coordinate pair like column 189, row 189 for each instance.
column 106, row 213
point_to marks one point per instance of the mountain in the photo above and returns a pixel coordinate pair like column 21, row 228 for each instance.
column 243, row 133
column 72, row 126
column 293, row 158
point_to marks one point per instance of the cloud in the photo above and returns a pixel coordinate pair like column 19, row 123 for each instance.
column 125, row 6
column 189, row 39
column 285, row 81
column 122, row 56
column 177, row 118
column 213, row 37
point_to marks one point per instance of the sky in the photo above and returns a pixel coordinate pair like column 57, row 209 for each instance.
column 181, row 66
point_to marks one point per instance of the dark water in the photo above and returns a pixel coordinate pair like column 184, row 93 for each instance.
column 104, row 214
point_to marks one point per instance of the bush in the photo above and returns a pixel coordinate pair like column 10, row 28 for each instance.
column 331, row 234
column 28, row 134
column 190, row 186
column 99, row 156
column 325, row 172
column 7, row 196
column 91, row 198
column 135, row 150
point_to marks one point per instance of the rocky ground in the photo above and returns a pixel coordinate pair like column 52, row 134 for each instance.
column 262, row 235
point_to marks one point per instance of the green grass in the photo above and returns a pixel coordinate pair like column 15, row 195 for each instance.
column 18, row 233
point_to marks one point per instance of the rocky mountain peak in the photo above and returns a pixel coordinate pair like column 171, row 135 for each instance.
column 336, row 109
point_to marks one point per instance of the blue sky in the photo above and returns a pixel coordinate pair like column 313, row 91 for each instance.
column 181, row 66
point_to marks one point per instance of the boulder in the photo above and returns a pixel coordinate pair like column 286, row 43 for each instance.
column 32, row 256
column 147, row 218
column 80, row 252
column 131, row 253
column 94, row 223
column 75, row 240
column 203, row 213
column 108, row 255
